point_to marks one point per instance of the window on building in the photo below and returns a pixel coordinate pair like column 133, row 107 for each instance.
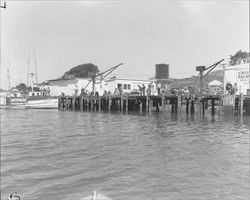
column 129, row 86
column 33, row 94
column 119, row 85
column 125, row 86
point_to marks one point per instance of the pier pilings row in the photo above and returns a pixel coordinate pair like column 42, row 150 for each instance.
column 162, row 103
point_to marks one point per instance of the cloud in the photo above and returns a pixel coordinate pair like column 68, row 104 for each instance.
column 90, row 3
column 193, row 7
column 197, row 15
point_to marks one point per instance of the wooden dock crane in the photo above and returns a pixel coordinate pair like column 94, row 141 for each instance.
column 202, row 70
column 102, row 75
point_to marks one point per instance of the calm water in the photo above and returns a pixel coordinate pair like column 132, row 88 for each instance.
column 66, row 155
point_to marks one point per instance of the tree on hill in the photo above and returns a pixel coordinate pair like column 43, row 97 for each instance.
column 21, row 87
column 240, row 56
column 81, row 71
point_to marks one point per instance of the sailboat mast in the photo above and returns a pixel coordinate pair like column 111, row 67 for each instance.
column 28, row 68
column 8, row 77
column 36, row 66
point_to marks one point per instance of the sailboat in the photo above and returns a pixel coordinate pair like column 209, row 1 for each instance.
column 39, row 96
column 11, row 98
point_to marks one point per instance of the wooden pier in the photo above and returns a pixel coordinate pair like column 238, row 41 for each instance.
column 214, row 104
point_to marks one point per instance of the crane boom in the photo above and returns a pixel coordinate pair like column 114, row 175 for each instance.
column 107, row 72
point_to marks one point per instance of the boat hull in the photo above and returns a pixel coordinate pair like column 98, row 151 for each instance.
column 42, row 104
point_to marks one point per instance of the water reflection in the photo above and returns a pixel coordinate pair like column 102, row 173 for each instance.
column 66, row 155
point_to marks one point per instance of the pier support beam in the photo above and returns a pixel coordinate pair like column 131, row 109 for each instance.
column 121, row 102
column 162, row 103
column 213, row 107
column 187, row 105
column 147, row 103
column 192, row 106
column 109, row 103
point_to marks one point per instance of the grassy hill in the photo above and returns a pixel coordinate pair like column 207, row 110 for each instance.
column 81, row 71
column 189, row 82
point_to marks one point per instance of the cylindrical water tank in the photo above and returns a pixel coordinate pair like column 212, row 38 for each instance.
column 162, row 71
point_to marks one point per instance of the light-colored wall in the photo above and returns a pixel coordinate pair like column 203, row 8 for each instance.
column 111, row 85
column 238, row 74
column 69, row 87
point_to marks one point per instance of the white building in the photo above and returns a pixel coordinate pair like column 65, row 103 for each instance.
column 238, row 76
column 126, row 85
column 74, row 86
column 67, row 86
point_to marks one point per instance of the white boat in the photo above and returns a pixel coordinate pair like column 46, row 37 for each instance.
column 96, row 196
column 42, row 103
column 9, row 101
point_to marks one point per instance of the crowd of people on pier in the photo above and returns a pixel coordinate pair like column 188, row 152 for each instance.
column 154, row 89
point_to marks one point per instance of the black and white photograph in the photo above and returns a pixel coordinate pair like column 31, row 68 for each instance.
column 124, row 100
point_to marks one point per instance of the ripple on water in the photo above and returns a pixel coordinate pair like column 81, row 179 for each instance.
column 67, row 155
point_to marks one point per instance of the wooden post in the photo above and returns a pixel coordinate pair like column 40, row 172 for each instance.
column 121, row 102
column 87, row 104
column 147, row 103
column 172, row 105
column 213, row 107
column 179, row 103
column 162, row 103
column 73, row 103
column 140, row 105
column 126, row 105
column 176, row 104
column 81, row 103
column 150, row 105
column 109, row 103
column 67, row 103
column 241, row 99
column 95, row 103
column 192, row 106
column 203, row 106
column 187, row 105
column 59, row 103
column 100, row 101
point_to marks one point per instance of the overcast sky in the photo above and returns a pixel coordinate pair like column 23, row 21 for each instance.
column 64, row 34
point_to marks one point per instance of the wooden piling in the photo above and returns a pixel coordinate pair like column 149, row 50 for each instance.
column 109, row 103
column 176, row 105
column 73, row 103
column 192, row 106
column 99, row 104
column 121, row 102
column 150, row 105
column 162, row 103
column 203, row 106
column 240, row 106
column 147, row 103
column 126, row 104
column 187, row 105
column 179, row 99
column 213, row 107
column 81, row 103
